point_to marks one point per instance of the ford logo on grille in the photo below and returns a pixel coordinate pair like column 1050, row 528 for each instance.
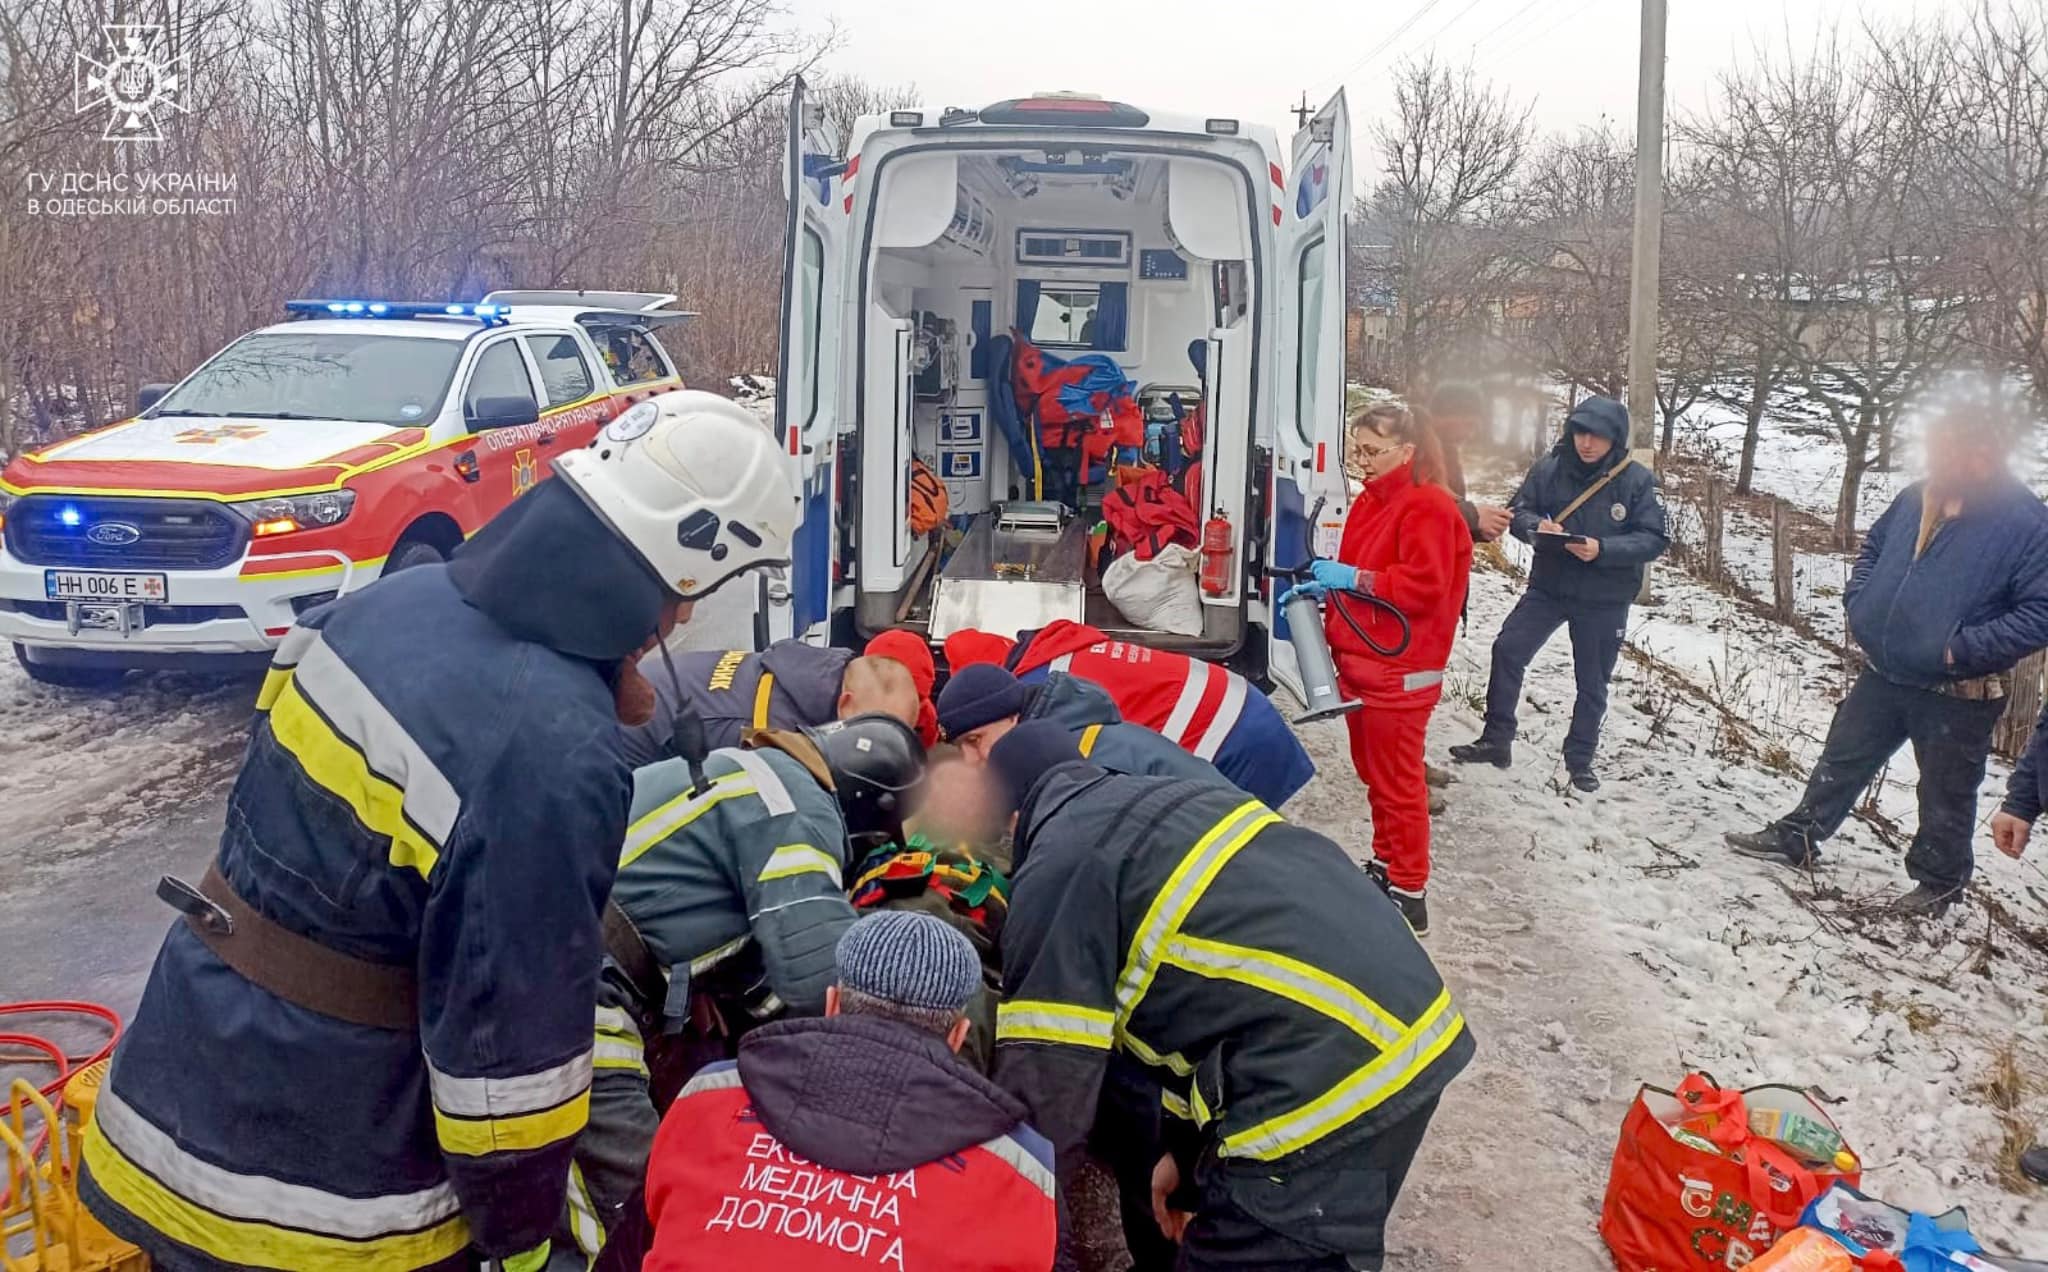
column 113, row 534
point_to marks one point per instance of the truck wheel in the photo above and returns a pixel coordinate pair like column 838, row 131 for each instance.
column 410, row 553
column 64, row 677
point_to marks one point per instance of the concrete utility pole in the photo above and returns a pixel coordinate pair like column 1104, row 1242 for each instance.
column 1649, row 236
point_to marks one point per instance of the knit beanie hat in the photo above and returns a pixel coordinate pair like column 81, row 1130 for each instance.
column 910, row 959
column 1027, row 753
column 978, row 695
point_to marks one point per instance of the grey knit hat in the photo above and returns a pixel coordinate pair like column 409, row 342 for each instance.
column 915, row 960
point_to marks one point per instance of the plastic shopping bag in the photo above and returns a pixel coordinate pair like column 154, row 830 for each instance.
column 1692, row 1187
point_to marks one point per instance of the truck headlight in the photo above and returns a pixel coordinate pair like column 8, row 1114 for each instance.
column 286, row 513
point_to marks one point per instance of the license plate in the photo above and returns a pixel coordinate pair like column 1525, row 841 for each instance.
column 98, row 585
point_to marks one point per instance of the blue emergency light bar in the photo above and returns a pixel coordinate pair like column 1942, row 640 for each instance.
column 487, row 314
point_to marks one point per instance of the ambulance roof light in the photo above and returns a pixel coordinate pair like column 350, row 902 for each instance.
column 488, row 314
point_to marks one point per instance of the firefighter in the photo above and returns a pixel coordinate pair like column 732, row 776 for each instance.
column 729, row 903
column 367, row 1043
column 789, row 685
column 1212, row 712
column 981, row 703
column 1299, row 1035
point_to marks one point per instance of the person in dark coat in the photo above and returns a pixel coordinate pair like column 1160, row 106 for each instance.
column 2026, row 796
column 1949, row 590
column 858, row 1140
column 1456, row 413
column 1290, row 1024
column 1596, row 521
column 981, row 703
column 789, row 685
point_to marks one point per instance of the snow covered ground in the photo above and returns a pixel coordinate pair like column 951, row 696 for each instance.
column 1600, row 943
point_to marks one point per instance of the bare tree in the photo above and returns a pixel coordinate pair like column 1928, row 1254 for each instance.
column 1570, row 299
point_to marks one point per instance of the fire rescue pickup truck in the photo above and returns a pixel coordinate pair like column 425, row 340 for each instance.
column 301, row 462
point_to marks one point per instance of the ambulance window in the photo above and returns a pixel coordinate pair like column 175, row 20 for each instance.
column 810, row 283
column 563, row 372
column 1066, row 316
column 1309, row 345
column 499, row 372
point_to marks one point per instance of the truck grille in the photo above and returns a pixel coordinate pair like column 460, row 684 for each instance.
column 148, row 534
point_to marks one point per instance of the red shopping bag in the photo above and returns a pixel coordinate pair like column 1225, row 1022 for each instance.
column 1692, row 1188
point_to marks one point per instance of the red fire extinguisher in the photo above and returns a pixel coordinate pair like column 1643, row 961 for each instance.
column 1217, row 557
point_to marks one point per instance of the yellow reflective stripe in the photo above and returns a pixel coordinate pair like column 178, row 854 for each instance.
column 711, row 958
column 1037, row 1020
column 1198, row 1108
column 796, row 859
column 1088, row 736
column 1289, row 978
column 274, row 682
column 475, row 1137
column 617, row 1043
column 1183, row 888
column 583, row 1221
column 1362, row 1091
column 1175, row 1106
column 529, row 1260
column 331, row 763
column 1174, row 1062
column 500, row 1097
column 248, row 1241
column 762, row 691
column 666, row 819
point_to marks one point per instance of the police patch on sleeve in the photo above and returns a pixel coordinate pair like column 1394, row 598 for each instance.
column 633, row 423
column 1619, row 512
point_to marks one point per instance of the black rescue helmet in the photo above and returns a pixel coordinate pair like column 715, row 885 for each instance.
column 877, row 764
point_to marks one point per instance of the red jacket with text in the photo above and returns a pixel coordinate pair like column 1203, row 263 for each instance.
column 935, row 1168
column 1413, row 539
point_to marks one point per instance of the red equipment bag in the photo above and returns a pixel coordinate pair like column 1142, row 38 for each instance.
column 1692, row 1188
column 1147, row 513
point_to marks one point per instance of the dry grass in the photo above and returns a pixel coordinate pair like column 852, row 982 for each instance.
column 2004, row 1088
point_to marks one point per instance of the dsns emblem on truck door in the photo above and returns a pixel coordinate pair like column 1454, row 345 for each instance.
column 113, row 534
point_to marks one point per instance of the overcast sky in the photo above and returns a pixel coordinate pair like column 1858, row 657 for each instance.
column 1575, row 58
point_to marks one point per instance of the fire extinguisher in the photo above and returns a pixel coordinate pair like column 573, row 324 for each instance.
column 1217, row 557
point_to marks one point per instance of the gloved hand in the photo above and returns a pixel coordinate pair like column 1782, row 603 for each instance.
column 1334, row 574
column 1314, row 591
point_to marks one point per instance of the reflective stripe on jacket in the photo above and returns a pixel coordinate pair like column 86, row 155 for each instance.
column 789, row 685
column 420, row 789
column 1088, row 710
column 1269, row 984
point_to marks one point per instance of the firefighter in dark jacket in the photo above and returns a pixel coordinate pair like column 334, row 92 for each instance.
column 789, row 685
column 367, row 1044
column 729, row 902
column 982, row 702
column 1595, row 520
column 1299, row 1034
column 1948, row 592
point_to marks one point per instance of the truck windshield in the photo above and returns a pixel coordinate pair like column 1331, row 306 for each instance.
column 286, row 375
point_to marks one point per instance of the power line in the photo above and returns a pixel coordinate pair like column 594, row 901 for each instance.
column 1453, row 22
column 1527, row 37
column 1417, row 16
column 1512, row 18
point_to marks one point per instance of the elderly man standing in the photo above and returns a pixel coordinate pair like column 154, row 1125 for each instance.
column 1949, row 591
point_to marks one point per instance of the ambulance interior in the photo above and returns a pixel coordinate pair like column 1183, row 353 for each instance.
column 1142, row 258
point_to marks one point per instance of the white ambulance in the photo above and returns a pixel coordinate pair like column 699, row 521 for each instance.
column 1184, row 248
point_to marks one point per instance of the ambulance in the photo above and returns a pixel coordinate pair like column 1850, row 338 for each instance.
column 1190, row 250
column 302, row 461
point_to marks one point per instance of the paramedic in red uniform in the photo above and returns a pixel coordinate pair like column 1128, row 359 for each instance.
column 858, row 1140
column 1406, row 543
column 1212, row 713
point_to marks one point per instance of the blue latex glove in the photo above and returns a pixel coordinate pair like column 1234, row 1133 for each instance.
column 1314, row 591
column 1334, row 574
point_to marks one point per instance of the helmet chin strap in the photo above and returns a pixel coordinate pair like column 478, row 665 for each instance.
column 687, row 740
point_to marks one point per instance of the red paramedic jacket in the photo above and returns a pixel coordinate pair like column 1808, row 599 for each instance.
column 1412, row 537
column 725, row 1193
column 1211, row 712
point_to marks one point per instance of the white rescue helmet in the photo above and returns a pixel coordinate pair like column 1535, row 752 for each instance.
column 694, row 483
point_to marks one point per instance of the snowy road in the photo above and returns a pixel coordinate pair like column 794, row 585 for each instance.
column 1593, row 944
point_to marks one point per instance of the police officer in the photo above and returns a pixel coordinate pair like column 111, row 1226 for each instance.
column 789, row 685
column 1299, row 1035
column 728, row 907
column 982, row 702
column 367, row 1044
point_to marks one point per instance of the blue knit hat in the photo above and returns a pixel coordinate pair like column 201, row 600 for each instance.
column 911, row 959
column 980, row 694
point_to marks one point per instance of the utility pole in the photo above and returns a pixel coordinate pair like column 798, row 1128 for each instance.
column 1304, row 112
column 1649, row 245
column 1649, row 235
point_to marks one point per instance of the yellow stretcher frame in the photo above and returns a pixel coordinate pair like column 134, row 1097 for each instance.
column 42, row 1216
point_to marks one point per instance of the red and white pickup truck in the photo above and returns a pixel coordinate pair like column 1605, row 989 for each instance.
column 302, row 461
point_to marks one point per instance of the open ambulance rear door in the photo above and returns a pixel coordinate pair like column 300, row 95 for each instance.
column 1308, row 425
column 807, row 399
